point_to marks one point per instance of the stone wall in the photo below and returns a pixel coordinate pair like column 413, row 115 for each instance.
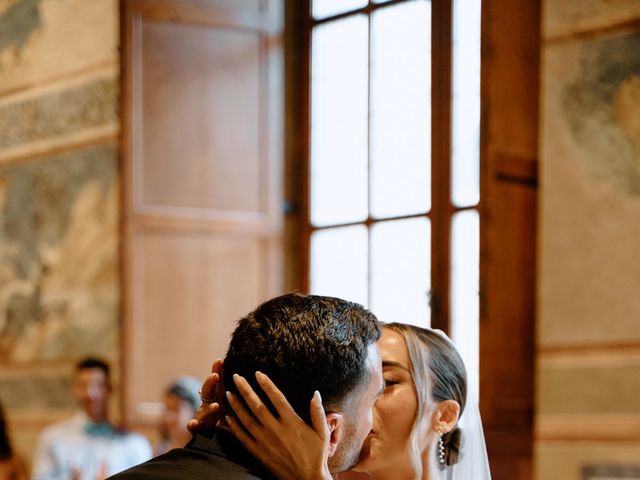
column 588, row 342
column 59, row 207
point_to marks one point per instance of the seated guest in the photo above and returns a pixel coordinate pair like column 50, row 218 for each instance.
column 11, row 465
column 305, row 343
column 181, row 400
column 87, row 446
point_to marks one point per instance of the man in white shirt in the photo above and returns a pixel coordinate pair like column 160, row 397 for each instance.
column 87, row 446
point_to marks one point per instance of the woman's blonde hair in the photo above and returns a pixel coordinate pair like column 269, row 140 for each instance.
column 438, row 374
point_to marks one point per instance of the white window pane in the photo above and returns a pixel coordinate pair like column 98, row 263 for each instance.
column 465, row 169
column 400, row 271
column 339, row 263
column 327, row 8
column 339, row 107
column 400, row 109
column 465, row 286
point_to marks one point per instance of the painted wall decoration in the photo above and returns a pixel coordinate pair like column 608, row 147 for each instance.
column 59, row 184
column 587, row 414
column 58, row 247
column 47, row 40
column 590, row 197
column 601, row 108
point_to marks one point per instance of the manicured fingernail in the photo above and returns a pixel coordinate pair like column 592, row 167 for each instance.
column 316, row 394
column 228, row 419
column 229, row 396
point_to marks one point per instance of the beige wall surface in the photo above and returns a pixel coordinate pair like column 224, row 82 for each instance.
column 564, row 18
column 591, row 198
column 588, row 340
column 59, row 286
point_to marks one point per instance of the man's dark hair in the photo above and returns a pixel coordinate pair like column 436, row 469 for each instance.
column 303, row 343
column 92, row 362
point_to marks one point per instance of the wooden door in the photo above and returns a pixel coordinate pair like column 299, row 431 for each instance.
column 201, row 168
column 509, row 189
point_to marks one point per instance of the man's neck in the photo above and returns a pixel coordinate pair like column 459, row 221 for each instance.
column 235, row 451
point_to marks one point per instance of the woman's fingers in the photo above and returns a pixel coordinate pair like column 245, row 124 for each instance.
column 216, row 367
column 290, row 448
column 207, row 417
column 279, row 401
column 208, row 389
column 208, row 413
column 318, row 417
column 241, row 434
column 255, row 403
column 247, row 420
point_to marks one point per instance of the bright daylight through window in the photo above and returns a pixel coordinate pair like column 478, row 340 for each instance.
column 374, row 195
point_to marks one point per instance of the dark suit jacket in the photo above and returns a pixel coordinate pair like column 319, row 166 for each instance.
column 214, row 456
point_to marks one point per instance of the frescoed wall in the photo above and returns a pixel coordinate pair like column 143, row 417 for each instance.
column 59, row 202
column 587, row 411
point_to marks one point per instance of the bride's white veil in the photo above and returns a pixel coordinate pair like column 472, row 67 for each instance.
column 473, row 461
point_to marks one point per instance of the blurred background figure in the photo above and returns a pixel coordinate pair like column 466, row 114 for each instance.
column 87, row 446
column 180, row 403
column 11, row 465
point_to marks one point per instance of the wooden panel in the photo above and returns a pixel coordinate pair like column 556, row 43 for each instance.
column 202, row 130
column 214, row 120
column 259, row 15
column 508, row 231
column 187, row 304
column 507, row 328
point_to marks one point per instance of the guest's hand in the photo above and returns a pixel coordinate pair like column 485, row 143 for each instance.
column 287, row 446
column 208, row 414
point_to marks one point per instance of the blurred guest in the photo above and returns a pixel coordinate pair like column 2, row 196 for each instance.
column 87, row 446
column 181, row 400
column 11, row 465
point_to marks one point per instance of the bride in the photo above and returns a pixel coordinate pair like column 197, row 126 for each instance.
column 425, row 427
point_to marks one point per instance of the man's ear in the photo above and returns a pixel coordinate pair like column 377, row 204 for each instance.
column 335, row 421
column 446, row 416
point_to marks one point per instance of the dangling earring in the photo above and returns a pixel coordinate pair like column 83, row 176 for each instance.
column 441, row 455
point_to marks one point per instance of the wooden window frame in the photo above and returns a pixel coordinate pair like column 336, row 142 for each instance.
column 442, row 208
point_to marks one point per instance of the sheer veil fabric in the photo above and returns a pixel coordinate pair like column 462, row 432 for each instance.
column 473, row 462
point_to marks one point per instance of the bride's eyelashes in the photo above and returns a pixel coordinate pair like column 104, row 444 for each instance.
column 388, row 382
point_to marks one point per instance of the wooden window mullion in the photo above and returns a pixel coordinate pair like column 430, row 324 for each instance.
column 441, row 37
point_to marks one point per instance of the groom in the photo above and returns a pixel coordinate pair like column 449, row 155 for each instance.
column 303, row 343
